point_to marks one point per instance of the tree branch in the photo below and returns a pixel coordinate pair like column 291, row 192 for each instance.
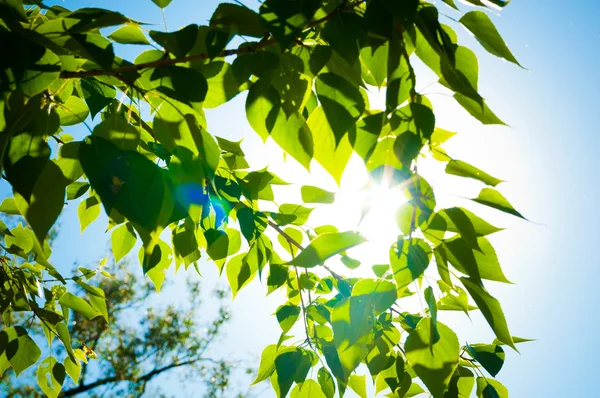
column 173, row 61
column 143, row 379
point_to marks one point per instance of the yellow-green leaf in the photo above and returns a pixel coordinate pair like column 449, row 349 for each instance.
column 325, row 246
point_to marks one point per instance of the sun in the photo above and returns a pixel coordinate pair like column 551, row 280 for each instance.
column 378, row 213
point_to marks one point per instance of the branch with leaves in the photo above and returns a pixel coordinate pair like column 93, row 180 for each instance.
column 306, row 69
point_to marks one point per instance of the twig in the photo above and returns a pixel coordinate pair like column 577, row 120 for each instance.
column 172, row 61
column 299, row 246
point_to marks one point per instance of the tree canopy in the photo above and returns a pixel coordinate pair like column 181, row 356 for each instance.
column 144, row 341
column 305, row 67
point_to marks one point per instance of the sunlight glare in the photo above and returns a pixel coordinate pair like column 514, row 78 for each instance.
column 379, row 213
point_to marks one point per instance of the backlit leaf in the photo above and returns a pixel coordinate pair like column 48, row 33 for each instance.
column 122, row 240
column 492, row 198
column 433, row 363
column 358, row 384
column 409, row 258
column 491, row 357
column 491, row 310
column 325, row 246
column 51, row 376
column 486, row 33
column 312, row 194
column 129, row 34
column 79, row 305
column 463, row 169
column 267, row 363
column 88, row 210
column 490, row 388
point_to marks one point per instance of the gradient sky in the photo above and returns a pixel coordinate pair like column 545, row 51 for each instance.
column 548, row 158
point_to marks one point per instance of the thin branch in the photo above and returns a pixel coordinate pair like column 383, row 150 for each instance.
column 299, row 246
column 142, row 379
column 172, row 61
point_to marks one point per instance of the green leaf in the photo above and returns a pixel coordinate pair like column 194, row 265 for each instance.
column 332, row 155
column 295, row 234
column 162, row 3
column 182, row 84
column 491, row 310
column 433, row 363
column 399, row 81
column 8, row 206
column 122, row 240
column 185, row 244
column 454, row 299
column 431, row 304
column 326, row 382
column 286, row 20
column 490, row 388
column 375, row 58
column 73, row 369
column 352, row 320
column 239, row 272
column 307, row 389
column 46, row 202
column 479, row 110
column 78, row 305
column 358, row 384
column 178, row 43
column 409, row 258
column 222, row 84
column 88, row 210
column 291, row 366
column 20, row 349
column 312, row 194
column 478, row 23
column 463, row 169
column 492, row 198
column 77, row 189
column 51, row 376
column 491, row 357
column 345, row 33
column 515, row 340
column 478, row 264
column 382, row 293
column 451, row 4
column 117, row 130
column 267, row 363
column 129, row 34
column 267, row 118
column 350, row 262
column 325, row 246
column 155, row 262
column 68, row 161
column 481, row 227
column 287, row 315
column 342, row 103
column 19, row 241
column 73, row 111
column 97, row 95
column 238, row 18
column 130, row 183
column 464, row 226
column 461, row 384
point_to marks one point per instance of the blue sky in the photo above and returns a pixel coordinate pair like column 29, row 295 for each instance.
column 548, row 158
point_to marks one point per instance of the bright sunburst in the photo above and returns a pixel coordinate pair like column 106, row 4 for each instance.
column 379, row 213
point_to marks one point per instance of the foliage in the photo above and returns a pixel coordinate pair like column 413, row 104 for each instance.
column 306, row 66
column 142, row 342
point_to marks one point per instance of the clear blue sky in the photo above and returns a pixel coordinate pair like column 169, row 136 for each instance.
column 548, row 158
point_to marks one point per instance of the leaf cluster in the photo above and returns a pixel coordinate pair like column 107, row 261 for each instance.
column 307, row 67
